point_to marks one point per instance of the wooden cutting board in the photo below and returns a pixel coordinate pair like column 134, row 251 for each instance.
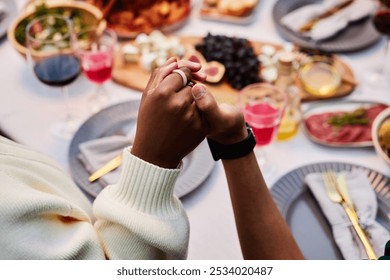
column 133, row 76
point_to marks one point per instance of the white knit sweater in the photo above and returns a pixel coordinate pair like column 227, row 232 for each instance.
column 43, row 214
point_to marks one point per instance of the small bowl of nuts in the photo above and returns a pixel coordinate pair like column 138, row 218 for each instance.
column 381, row 134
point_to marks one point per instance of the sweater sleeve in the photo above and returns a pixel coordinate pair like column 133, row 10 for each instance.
column 139, row 217
column 43, row 214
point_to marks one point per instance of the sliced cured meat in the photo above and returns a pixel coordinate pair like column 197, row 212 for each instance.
column 318, row 127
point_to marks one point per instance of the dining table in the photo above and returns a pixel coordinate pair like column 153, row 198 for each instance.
column 28, row 107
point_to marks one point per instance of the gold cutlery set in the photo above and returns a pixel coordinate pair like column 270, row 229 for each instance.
column 337, row 191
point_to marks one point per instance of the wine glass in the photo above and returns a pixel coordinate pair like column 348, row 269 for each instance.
column 381, row 21
column 50, row 42
column 96, row 49
column 263, row 106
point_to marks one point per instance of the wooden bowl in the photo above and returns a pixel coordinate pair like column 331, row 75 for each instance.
column 91, row 16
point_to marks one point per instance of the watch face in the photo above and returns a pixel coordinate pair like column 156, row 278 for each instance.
column 250, row 130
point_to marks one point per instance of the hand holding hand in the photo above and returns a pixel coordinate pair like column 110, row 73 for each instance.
column 169, row 125
column 225, row 123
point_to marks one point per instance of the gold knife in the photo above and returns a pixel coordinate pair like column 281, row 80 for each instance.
column 354, row 218
column 108, row 167
column 310, row 24
column 343, row 188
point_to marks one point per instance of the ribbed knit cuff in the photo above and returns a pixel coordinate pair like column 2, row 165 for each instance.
column 146, row 187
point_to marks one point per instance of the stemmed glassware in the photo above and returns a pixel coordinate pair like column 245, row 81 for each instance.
column 96, row 49
column 50, row 43
column 381, row 21
column 263, row 106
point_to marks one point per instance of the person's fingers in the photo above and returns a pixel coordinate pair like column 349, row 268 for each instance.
column 174, row 81
column 206, row 103
column 160, row 74
column 225, row 122
column 170, row 60
column 199, row 76
column 195, row 68
column 185, row 96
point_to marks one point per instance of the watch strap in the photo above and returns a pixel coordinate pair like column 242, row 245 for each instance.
column 233, row 151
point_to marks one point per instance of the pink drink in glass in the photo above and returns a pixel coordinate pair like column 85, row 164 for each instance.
column 263, row 105
column 264, row 120
column 97, row 66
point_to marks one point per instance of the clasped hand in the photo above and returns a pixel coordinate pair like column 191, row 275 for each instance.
column 173, row 119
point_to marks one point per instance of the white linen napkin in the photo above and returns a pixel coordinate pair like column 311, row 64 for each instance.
column 95, row 153
column 331, row 25
column 365, row 202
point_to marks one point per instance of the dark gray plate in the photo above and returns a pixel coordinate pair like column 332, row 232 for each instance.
column 358, row 35
column 302, row 213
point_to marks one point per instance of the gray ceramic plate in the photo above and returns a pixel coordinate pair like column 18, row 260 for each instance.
column 356, row 36
column 302, row 213
column 118, row 120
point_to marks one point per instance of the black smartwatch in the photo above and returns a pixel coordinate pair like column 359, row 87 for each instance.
column 233, row 151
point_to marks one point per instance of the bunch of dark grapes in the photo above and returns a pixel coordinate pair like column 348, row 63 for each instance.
column 236, row 54
column 385, row 2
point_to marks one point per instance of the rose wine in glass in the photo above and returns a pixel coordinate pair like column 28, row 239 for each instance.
column 381, row 21
column 98, row 67
column 263, row 106
column 96, row 49
column 264, row 128
column 50, row 43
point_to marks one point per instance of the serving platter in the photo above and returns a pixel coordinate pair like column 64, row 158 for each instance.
column 135, row 77
column 332, row 107
column 304, row 216
column 356, row 36
column 130, row 19
column 214, row 14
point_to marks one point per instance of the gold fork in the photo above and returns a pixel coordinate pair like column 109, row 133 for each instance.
column 336, row 196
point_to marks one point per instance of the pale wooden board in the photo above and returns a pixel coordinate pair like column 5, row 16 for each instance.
column 133, row 76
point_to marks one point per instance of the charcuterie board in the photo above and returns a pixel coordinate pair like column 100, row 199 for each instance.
column 135, row 77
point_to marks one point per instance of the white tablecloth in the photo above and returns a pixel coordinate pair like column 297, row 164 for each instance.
column 27, row 108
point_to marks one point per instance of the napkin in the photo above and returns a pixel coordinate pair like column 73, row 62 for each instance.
column 95, row 153
column 331, row 25
column 365, row 202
